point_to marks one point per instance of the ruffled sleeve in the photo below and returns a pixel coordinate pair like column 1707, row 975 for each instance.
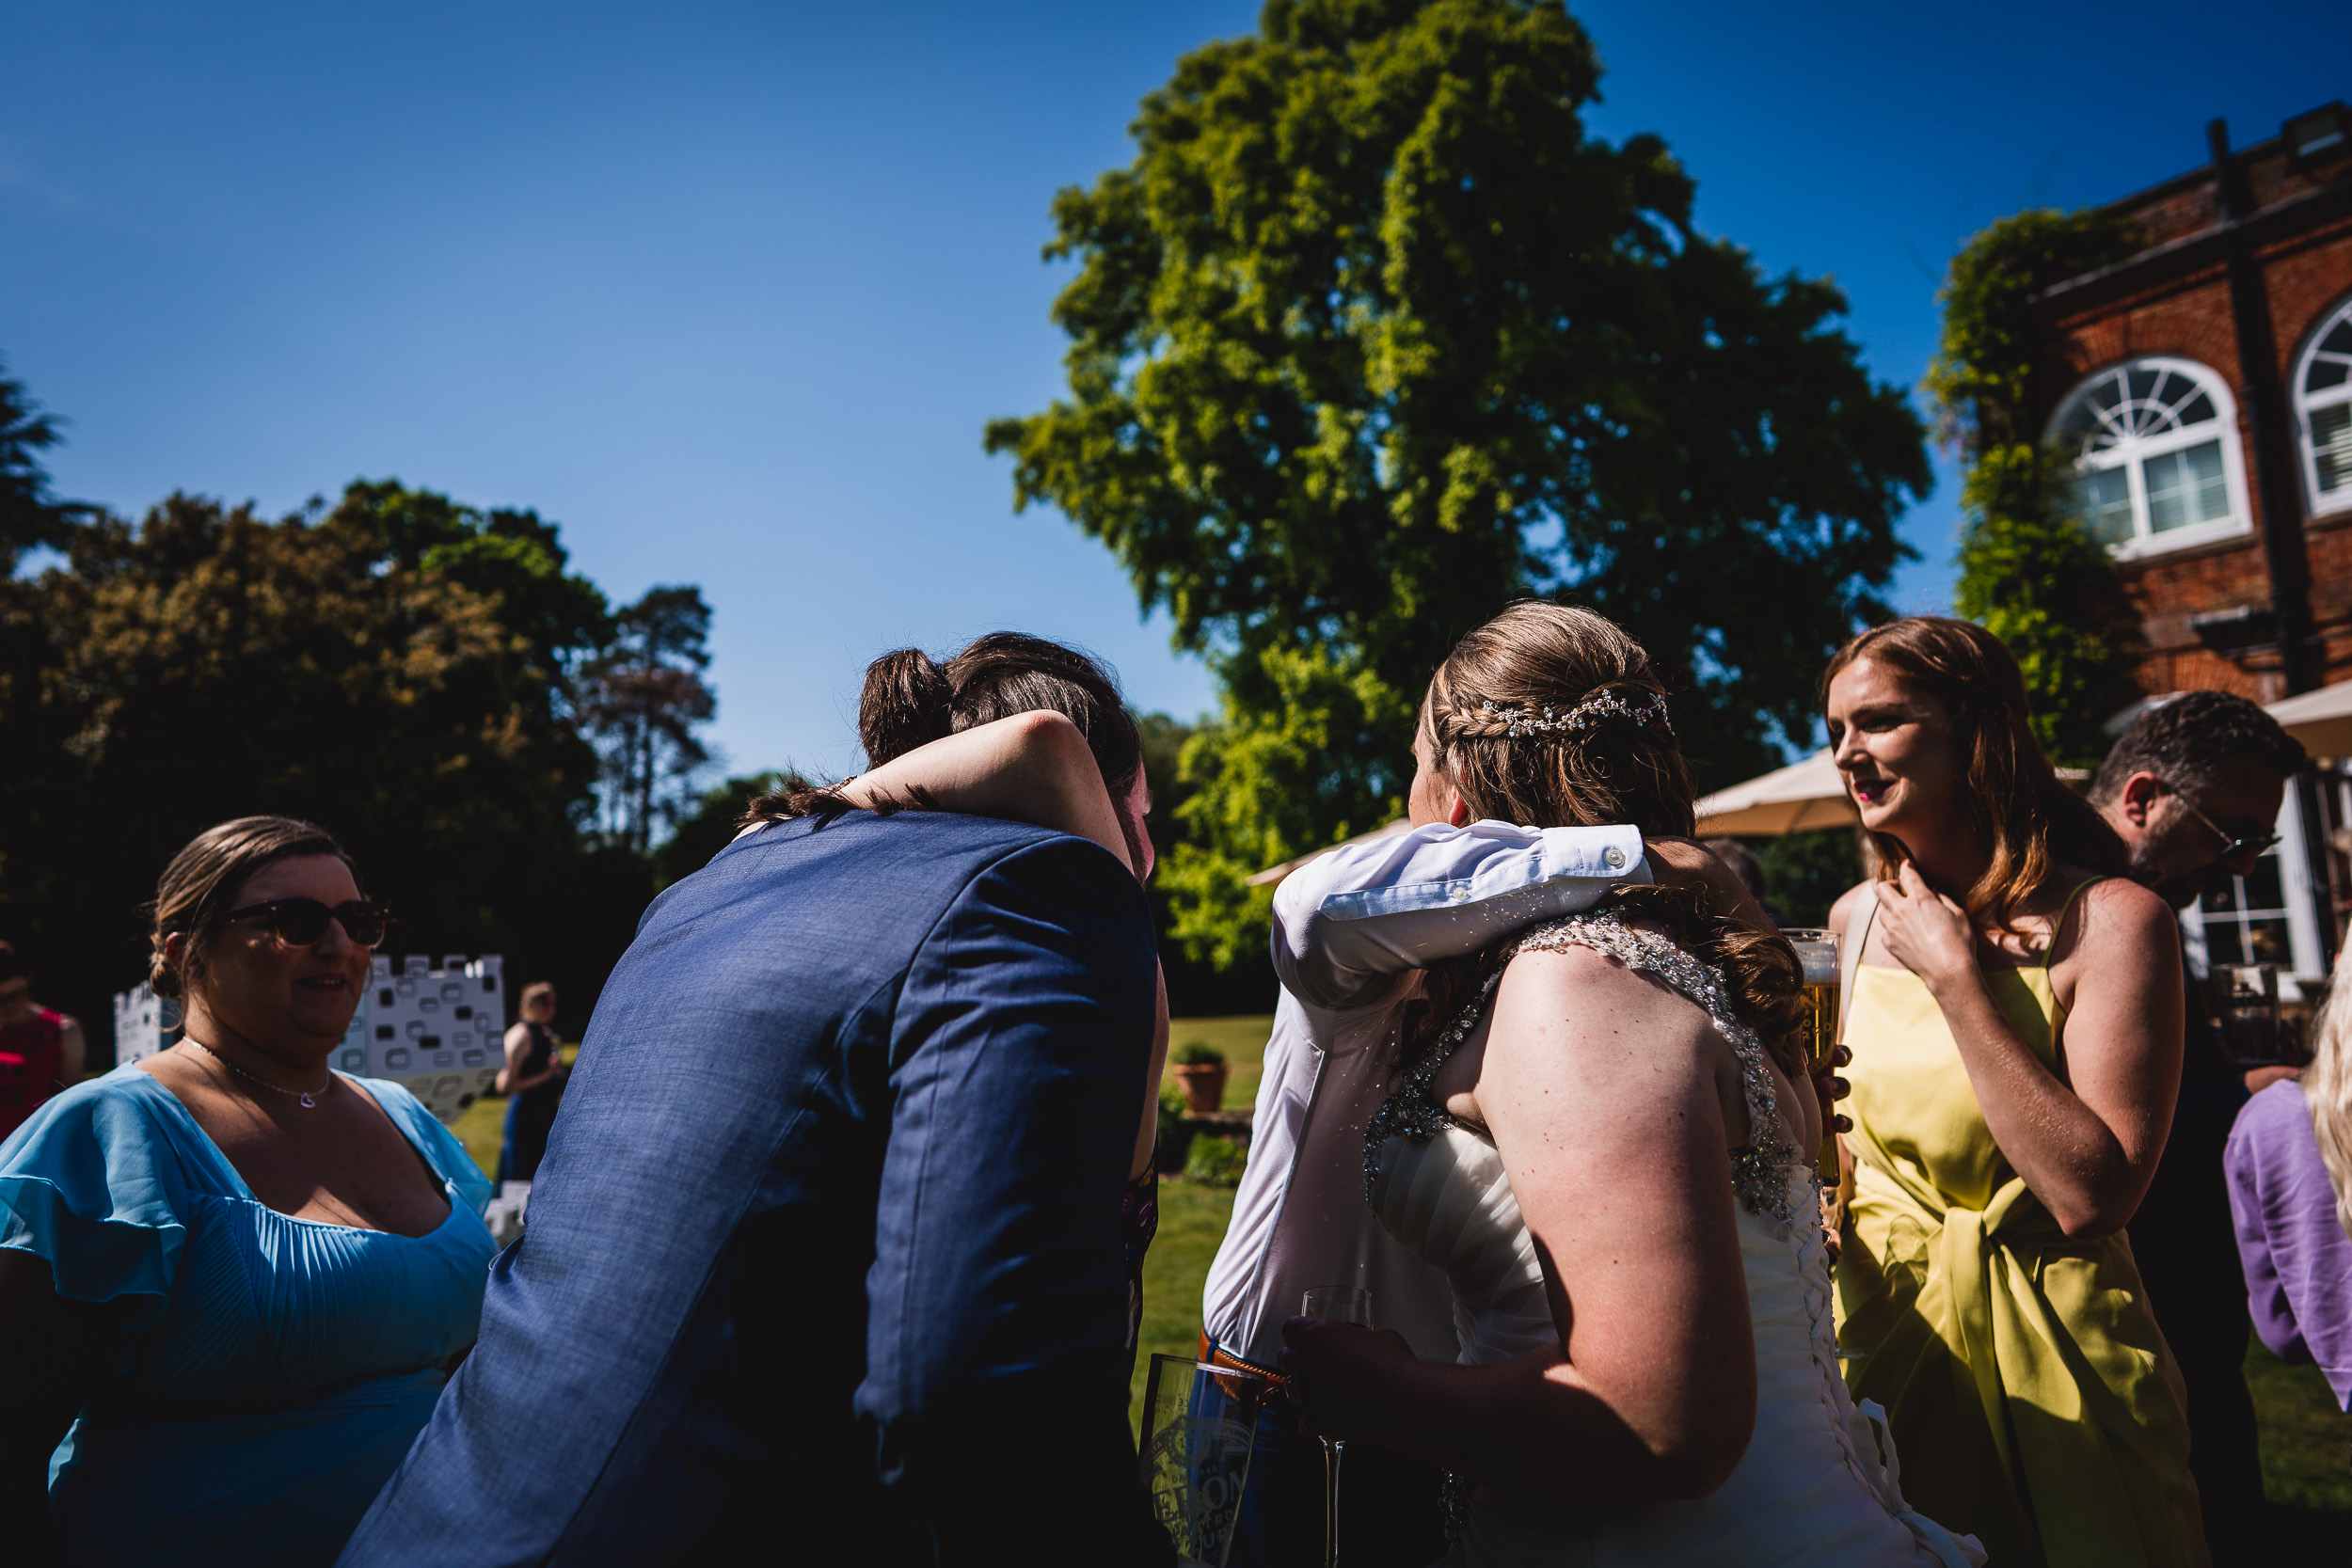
column 93, row 1185
column 436, row 1143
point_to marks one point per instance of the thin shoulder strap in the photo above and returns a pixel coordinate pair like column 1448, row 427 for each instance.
column 2058, row 925
column 1849, row 959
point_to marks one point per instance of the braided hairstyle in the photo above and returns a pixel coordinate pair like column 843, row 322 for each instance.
column 1548, row 716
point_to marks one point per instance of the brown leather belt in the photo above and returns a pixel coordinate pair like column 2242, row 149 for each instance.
column 1217, row 1355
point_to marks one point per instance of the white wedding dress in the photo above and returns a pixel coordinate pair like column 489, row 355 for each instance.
column 1817, row 1486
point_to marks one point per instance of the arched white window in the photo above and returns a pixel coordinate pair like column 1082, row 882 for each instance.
column 2154, row 461
column 2323, row 412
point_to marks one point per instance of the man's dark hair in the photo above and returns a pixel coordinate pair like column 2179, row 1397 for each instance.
column 2186, row 740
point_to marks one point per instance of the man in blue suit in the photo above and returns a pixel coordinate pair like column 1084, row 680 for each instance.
column 823, row 1262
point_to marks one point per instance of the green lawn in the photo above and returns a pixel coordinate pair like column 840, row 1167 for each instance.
column 482, row 1128
column 2306, row 1441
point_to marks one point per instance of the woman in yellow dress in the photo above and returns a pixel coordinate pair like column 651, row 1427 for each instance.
column 2014, row 1016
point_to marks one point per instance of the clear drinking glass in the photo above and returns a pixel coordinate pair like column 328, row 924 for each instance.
column 1199, row 1426
column 1338, row 1303
column 1817, row 951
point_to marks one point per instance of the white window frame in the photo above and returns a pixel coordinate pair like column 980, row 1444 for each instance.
column 2306, row 405
column 2131, row 453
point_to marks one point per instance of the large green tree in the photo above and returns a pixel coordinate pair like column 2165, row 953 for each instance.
column 2028, row 572
column 1371, row 337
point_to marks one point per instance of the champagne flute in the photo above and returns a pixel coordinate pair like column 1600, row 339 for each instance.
column 1338, row 1303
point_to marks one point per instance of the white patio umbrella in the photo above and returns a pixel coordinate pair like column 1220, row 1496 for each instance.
column 1792, row 799
column 2321, row 719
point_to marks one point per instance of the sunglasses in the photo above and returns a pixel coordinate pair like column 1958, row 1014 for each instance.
column 2234, row 846
column 300, row 922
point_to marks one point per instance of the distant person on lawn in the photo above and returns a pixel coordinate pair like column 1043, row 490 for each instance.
column 533, row 1081
column 824, row 1258
column 40, row 1049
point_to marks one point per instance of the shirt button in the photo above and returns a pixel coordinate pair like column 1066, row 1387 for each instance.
column 1614, row 858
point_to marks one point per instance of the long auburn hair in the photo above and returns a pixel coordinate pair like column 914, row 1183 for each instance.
column 2326, row 1085
column 1619, row 768
column 2017, row 804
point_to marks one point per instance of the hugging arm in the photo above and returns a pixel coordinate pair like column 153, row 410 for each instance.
column 1032, row 768
column 996, row 1300
column 1346, row 924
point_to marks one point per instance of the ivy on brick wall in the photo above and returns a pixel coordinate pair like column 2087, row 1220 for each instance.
column 2028, row 573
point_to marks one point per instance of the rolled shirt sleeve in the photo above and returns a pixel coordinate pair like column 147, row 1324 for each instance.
column 1345, row 923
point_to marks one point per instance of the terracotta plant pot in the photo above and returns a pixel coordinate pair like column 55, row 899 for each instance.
column 1203, row 1087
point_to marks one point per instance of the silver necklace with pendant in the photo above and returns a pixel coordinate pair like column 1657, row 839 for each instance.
column 303, row 1095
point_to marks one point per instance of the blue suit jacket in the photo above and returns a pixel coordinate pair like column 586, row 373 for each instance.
column 824, row 1255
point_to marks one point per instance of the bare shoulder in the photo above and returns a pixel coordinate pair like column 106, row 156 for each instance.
column 2120, row 910
column 1592, row 995
column 2118, row 930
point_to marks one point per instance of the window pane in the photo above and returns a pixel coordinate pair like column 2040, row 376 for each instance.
column 2143, row 383
column 2213, row 491
column 2339, row 340
column 2196, row 410
column 2221, row 943
column 2331, row 447
column 2185, row 487
column 2222, row 899
column 2102, row 502
column 2263, row 890
column 2271, row 943
column 2326, row 374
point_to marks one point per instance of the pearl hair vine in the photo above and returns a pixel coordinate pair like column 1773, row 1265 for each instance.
column 1590, row 711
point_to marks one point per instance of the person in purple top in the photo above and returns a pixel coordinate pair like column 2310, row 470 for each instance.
column 2290, row 1173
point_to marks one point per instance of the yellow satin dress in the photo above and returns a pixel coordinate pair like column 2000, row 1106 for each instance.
column 2031, row 1395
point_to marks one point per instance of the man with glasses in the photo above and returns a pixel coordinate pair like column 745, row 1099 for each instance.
column 2193, row 787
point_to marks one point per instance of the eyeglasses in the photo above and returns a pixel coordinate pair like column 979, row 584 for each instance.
column 2234, row 846
column 300, row 922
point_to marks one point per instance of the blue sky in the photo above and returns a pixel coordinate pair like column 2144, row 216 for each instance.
column 728, row 290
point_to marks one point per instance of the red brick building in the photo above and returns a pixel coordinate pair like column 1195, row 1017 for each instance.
column 2203, row 387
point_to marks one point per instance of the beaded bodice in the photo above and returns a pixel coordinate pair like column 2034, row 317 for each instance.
column 1760, row 1168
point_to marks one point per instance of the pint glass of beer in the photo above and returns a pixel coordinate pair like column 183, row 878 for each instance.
column 1817, row 951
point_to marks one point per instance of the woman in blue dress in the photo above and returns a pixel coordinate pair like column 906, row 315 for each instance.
column 233, row 1281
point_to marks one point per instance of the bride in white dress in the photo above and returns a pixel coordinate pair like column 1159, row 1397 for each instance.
column 1603, row 1156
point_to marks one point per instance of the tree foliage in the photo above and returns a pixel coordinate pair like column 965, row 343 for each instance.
column 1371, row 337
column 402, row 669
column 643, row 696
column 30, row 514
column 2028, row 573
